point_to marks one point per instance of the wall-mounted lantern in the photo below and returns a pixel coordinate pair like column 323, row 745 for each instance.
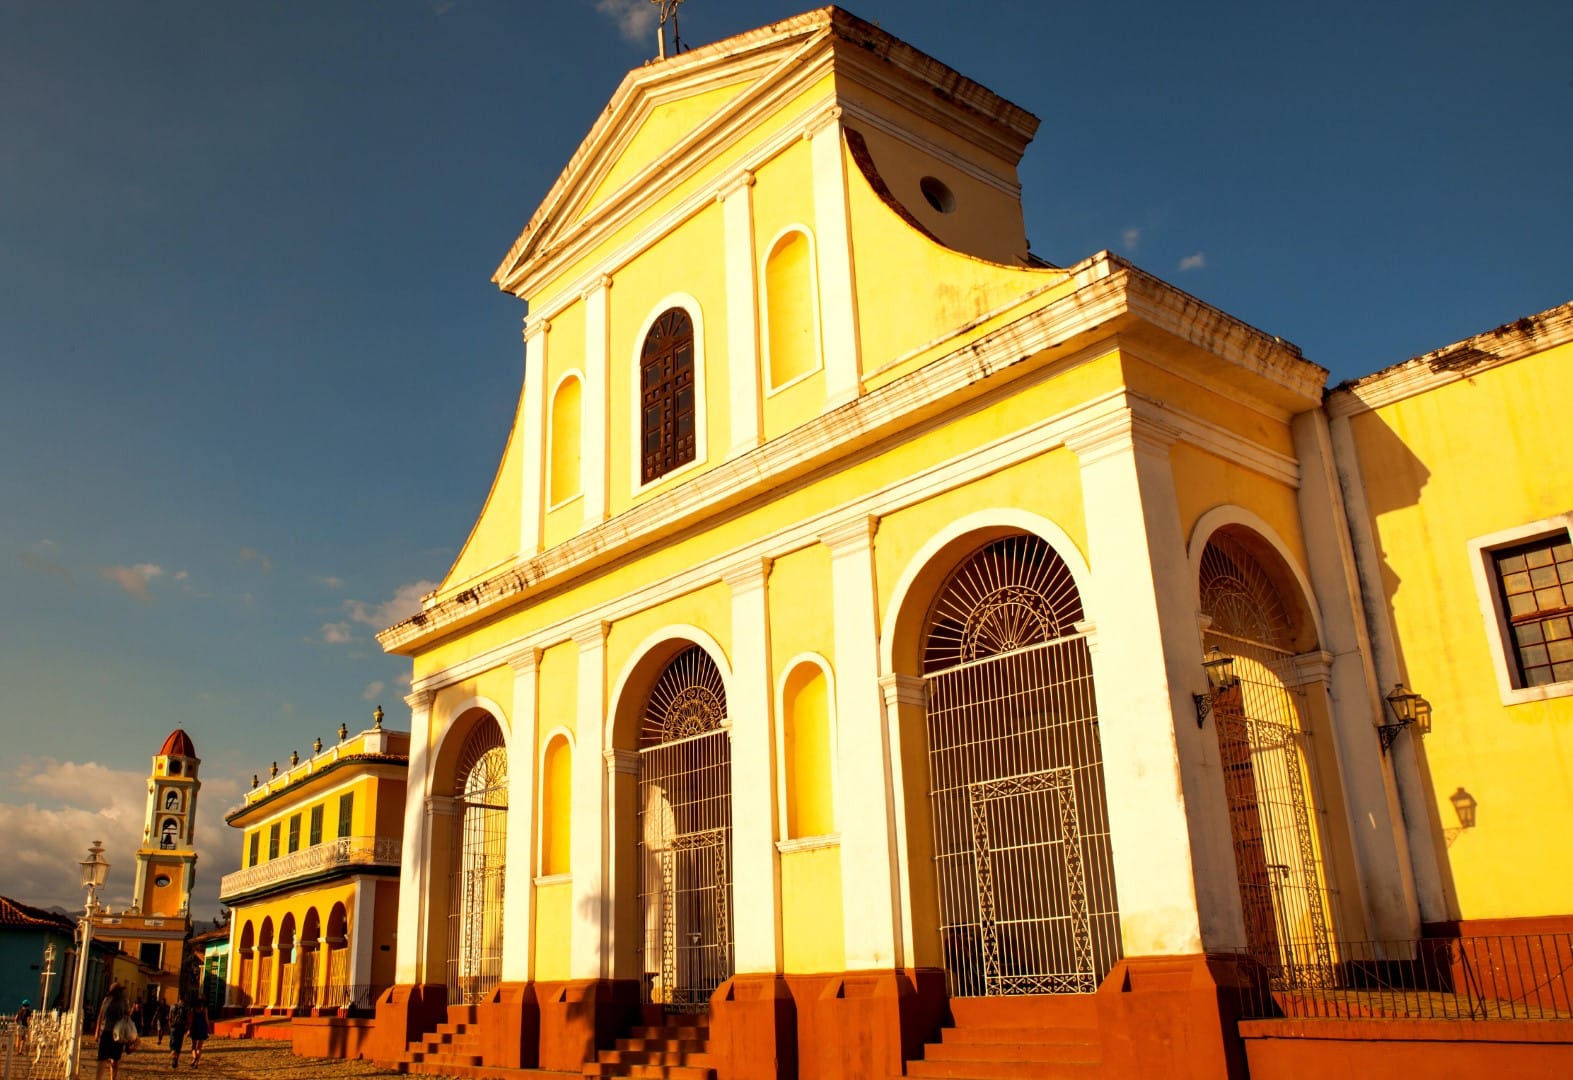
column 1220, row 677
column 1409, row 709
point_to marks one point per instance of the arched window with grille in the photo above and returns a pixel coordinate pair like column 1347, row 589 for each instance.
column 475, row 926
column 668, row 395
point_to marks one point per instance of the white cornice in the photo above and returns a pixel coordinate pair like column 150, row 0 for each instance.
column 1107, row 287
column 1462, row 360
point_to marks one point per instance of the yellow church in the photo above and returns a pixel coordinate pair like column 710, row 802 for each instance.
column 885, row 653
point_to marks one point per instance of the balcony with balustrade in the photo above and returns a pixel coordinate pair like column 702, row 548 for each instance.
column 331, row 858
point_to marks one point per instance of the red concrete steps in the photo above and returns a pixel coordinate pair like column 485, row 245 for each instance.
column 1004, row 1039
column 667, row 1052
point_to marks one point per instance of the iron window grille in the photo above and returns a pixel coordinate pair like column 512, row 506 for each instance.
column 316, row 826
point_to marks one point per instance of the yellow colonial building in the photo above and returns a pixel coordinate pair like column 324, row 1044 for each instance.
column 879, row 645
column 314, row 903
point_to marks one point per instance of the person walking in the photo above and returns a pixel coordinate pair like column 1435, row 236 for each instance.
column 161, row 1017
column 197, row 1029
column 24, row 1017
column 112, row 1012
column 178, row 1018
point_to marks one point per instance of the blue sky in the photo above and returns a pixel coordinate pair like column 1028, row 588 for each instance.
column 256, row 379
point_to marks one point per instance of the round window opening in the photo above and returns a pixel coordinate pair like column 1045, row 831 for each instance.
column 938, row 195
column 162, row 881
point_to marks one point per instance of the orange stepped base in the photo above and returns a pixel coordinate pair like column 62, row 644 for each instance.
column 676, row 1051
column 986, row 1044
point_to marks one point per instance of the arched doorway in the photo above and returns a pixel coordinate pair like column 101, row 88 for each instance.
column 336, row 944
column 243, row 985
column 265, row 996
column 685, row 835
column 289, row 969
column 309, row 955
column 478, row 860
column 1267, row 756
column 1022, row 857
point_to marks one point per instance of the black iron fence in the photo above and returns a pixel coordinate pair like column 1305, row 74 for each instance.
column 1488, row 977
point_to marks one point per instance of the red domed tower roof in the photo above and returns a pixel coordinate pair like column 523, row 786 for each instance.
column 178, row 744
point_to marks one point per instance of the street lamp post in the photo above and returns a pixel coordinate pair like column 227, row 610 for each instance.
column 49, row 977
column 95, row 869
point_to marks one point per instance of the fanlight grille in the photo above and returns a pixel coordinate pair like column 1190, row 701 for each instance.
column 1013, row 593
column 688, row 699
column 1241, row 599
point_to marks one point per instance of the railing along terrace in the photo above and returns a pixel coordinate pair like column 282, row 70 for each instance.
column 37, row 1052
column 1482, row 977
column 354, row 998
column 328, row 855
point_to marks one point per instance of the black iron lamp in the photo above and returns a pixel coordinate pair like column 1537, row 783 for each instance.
column 1409, row 709
column 1220, row 677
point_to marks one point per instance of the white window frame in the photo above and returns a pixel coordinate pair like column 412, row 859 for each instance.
column 636, row 422
column 1494, row 614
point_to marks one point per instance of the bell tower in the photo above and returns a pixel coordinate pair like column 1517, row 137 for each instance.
column 167, row 859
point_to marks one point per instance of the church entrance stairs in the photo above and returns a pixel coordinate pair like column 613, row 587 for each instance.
column 672, row 1051
column 994, row 1038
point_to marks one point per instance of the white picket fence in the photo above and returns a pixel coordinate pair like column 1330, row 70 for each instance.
column 36, row 1053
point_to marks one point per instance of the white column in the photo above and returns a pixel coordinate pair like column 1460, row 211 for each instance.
column 756, row 887
column 866, row 811
column 742, row 313
column 518, row 907
column 362, row 945
column 833, row 243
column 532, row 505
column 414, row 861
column 1376, row 818
column 1407, row 776
column 898, row 692
column 595, row 452
column 618, row 763
column 1173, row 860
column 592, row 902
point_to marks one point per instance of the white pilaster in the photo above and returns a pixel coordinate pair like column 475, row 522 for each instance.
column 592, row 902
column 362, row 944
column 1407, row 780
column 755, row 870
column 742, row 314
column 866, row 814
column 532, row 506
column 518, row 958
column 1173, row 861
column 833, row 243
column 414, row 861
column 618, row 763
column 595, row 452
column 899, row 691
column 1387, row 884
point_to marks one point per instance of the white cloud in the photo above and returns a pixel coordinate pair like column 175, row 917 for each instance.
column 337, row 633
column 402, row 679
column 635, row 19
column 373, row 690
column 1131, row 237
column 133, row 579
column 330, row 582
column 1194, row 262
column 182, row 575
column 248, row 554
column 50, row 811
column 406, row 601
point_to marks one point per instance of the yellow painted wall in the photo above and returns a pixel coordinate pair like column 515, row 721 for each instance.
column 565, row 440
column 1204, row 481
column 808, row 749
column 556, row 807
column 494, row 539
column 709, row 608
column 812, row 939
column 666, row 125
column 494, row 685
column 553, row 930
column 1459, row 462
column 796, row 627
column 557, row 680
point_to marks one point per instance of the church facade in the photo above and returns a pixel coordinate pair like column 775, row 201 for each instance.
column 874, row 630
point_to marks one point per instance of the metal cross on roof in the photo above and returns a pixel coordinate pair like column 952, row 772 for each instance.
column 668, row 12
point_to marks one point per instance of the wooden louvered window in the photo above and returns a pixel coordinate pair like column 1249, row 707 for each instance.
column 667, row 391
column 1535, row 583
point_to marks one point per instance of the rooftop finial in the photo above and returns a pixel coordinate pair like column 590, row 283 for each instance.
column 344, row 732
column 377, row 718
column 668, row 12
